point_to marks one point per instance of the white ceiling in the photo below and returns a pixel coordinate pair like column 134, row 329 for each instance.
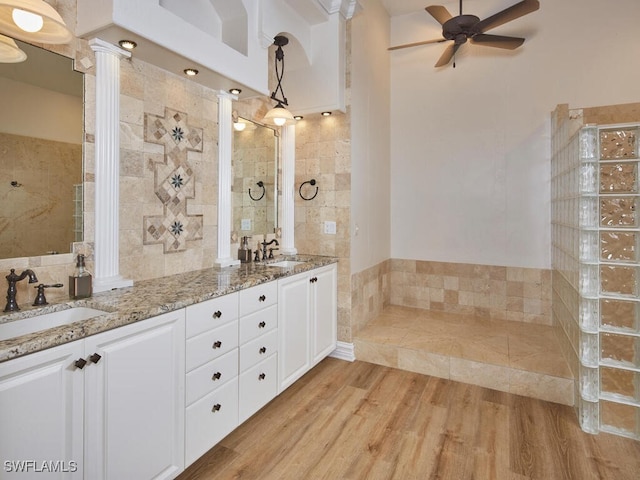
column 402, row 7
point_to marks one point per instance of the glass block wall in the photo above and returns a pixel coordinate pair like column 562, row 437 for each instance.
column 597, row 270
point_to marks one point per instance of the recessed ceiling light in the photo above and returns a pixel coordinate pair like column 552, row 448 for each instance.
column 191, row 72
column 325, row 114
column 127, row 44
column 298, row 117
column 235, row 91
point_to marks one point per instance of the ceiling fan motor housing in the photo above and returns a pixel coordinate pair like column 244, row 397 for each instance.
column 460, row 28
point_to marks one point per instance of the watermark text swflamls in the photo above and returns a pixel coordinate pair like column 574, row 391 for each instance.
column 40, row 466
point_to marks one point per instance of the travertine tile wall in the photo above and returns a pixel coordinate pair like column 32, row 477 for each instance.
column 504, row 293
column 370, row 293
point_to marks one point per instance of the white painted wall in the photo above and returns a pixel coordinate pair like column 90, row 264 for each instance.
column 370, row 169
column 470, row 146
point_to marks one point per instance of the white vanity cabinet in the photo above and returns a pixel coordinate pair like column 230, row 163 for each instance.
column 307, row 322
column 212, row 373
column 113, row 404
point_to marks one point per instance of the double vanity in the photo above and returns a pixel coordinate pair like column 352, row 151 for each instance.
column 139, row 382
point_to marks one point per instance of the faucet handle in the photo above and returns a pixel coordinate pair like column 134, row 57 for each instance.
column 40, row 298
column 271, row 252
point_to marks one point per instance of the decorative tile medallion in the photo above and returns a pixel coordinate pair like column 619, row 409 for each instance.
column 174, row 181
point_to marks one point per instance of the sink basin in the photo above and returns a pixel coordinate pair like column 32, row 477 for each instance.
column 46, row 320
column 285, row 264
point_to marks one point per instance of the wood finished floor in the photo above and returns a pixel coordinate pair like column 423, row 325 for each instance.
column 357, row 421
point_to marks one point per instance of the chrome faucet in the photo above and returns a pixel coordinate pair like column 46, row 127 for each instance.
column 264, row 248
column 12, row 278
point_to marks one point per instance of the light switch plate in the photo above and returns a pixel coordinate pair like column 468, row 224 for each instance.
column 245, row 224
column 330, row 228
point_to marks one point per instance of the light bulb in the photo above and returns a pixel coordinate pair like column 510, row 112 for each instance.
column 239, row 126
column 279, row 121
column 27, row 21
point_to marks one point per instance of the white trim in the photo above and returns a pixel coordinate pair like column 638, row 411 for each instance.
column 344, row 351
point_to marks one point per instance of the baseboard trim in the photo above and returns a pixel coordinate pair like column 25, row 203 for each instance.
column 344, row 351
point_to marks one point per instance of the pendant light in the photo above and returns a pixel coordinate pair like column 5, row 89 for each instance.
column 279, row 115
column 10, row 52
column 33, row 21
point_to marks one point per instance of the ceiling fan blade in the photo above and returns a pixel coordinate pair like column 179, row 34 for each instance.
column 515, row 11
column 498, row 41
column 440, row 13
column 425, row 42
column 447, row 55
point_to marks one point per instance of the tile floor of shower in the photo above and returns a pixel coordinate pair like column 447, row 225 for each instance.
column 515, row 357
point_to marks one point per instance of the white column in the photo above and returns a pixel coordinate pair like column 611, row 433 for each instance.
column 225, row 141
column 288, row 159
column 107, row 167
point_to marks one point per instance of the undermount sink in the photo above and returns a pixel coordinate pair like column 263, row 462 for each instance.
column 285, row 264
column 37, row 323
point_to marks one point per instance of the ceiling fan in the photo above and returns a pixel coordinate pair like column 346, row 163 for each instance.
column 469, row 27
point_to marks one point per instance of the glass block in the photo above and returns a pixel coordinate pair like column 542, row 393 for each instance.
column 620, row 348
column 618, row 143
column 588, row 178
column 619, row 314
column 588, row 246
column 589, row 416
column 619, row 417
column 619, row 246
column 617, row 212
column 589, row 384
column 589, row 349
column 618, row 279
column 589, row 280
column 588, row 212
column 618, row 177
column 588, row 142
column 618, row 382
column 589, row 315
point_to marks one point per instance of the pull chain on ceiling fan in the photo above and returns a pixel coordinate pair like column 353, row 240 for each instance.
column 469, row 27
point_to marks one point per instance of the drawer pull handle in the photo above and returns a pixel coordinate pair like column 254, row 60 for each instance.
column 216, row 344
column 263, row 350
column 216, row 376
column 313, row 279
column 262, row 325
column 95, row 358
column 216, row 407
column 262, row 376
column 80, row 363
column 217, row 314
column 262, row 298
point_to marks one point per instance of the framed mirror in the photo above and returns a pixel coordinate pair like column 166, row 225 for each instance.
column 41, row 134
column 254, row 165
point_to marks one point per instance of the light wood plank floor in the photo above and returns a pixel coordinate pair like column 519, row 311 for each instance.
column 359, row 421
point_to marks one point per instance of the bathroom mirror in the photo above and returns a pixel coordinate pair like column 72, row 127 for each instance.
column 41, row 133
column 254, row 164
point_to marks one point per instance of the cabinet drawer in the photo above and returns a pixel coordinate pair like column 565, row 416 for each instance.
column 211, row 344
column 258, row 349
column 211, row 314
column 210, row 419
column 258, row 386
column 258, row 323
column 211, row 375
column 255, row 298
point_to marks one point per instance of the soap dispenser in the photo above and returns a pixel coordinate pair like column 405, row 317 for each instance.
column 80, row 282
column 244, row 252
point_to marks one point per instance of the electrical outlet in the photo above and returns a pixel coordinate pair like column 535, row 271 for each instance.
column 245, row 224
column 330, row 228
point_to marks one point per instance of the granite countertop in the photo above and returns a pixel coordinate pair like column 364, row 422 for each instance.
column 146, row 299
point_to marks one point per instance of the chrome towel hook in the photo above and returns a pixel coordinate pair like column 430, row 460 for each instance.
column 311, row 182
column 264, row 190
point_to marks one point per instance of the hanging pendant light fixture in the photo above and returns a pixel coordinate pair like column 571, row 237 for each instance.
column 10, row 52
column 33, row 21
column 279, row 115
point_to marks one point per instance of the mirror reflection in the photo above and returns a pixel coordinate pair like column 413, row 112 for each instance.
column 41, row 130
column 255, row 178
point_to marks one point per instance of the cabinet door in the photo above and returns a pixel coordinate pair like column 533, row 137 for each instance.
column 324, row 311
column 41, row 414
column 134, row 400
column 294, row 357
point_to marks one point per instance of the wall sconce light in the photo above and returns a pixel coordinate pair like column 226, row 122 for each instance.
column 279, row 115
column 33, row 21
column 10, row 52
column 127, row 44
column 235, row 91
column 239, row 126
column 191, row 72
column 326, row 114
